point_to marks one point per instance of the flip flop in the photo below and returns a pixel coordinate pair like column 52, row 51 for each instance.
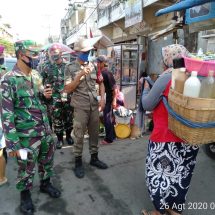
column 104, row 142
column 145, row 212
column 3, row 182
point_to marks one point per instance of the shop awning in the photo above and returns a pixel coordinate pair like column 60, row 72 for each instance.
column 99, row 42
column 182, row 5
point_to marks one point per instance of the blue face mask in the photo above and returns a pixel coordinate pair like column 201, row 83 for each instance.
column 84, row 56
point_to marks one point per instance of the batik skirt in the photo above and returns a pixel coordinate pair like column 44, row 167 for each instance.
column 169, row 169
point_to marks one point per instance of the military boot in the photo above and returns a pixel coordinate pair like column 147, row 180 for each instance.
column 79, row 169
column 26, row 205
column 69, row 138
column 47, row 187
column 96, row 162
column 59, row 141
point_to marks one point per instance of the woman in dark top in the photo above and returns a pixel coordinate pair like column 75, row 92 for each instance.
column 170, row 162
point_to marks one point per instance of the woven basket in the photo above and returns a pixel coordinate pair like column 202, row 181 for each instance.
column 195, row 110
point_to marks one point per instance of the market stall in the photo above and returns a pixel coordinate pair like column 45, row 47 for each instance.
column 124, row 66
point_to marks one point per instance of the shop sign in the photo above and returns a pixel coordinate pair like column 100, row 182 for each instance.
column 133, row 12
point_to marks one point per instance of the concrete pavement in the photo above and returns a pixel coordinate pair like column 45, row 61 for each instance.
column 119, row 190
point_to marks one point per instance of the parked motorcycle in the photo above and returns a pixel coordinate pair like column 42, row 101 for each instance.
column 210, row 150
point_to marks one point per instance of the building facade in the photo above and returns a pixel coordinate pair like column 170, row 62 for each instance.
column 79, row 21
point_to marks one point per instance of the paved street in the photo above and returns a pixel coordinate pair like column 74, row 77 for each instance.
column 119, row 190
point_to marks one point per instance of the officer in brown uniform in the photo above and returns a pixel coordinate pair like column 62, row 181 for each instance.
column 81, row 78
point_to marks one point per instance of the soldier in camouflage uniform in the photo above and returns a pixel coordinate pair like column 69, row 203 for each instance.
column 2, row 67
column 26, row 126
column 81, row 78
column 43, row 62
column 3, row 153
column 60, row 108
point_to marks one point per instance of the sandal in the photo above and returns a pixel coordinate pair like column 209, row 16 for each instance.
column 104, row 142
column 145, row 212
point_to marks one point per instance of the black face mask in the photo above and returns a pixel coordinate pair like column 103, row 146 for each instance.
column 34, row 63
column 30, row 63
column 1, row 61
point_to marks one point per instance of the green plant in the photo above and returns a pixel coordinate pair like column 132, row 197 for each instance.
column 9, row 48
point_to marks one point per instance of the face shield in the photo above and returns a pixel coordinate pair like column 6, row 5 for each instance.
column 54, row 55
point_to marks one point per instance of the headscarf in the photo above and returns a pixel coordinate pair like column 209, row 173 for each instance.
column 171, row 52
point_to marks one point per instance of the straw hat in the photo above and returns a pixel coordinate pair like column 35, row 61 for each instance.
column 82, row 45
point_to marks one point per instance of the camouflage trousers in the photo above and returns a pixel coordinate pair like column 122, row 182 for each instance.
column 85, row 120
column 41, row 151
column 62, row 117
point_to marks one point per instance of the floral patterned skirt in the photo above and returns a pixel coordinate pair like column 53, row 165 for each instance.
column 169, row 169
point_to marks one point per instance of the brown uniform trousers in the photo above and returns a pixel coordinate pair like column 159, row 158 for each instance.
column 85, row 119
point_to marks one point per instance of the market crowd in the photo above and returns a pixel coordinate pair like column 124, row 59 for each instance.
column 59, row 97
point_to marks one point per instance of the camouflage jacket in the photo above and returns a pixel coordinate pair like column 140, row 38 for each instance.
column 54, row 74
column 23, row 114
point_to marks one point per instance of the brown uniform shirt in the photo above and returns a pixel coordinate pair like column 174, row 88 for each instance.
column 85, row 94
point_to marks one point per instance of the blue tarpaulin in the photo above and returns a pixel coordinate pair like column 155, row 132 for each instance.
column 182, row 5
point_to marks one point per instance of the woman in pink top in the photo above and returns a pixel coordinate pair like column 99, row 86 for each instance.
column 170, row 162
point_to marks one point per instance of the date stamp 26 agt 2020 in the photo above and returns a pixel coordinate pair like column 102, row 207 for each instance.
column 190, row 206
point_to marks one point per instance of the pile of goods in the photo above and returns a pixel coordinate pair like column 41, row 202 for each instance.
column 122, row 112
column 208, row 56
